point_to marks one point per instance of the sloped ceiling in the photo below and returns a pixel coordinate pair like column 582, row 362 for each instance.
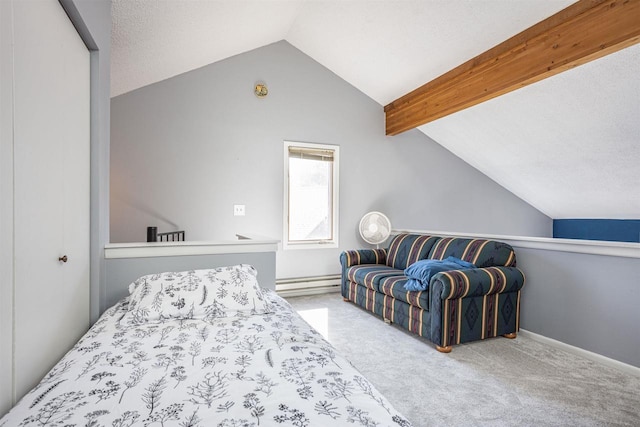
column 569, row 145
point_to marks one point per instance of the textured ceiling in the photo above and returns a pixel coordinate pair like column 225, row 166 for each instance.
column 153, row 40
column 567, row 145
column 385, row 48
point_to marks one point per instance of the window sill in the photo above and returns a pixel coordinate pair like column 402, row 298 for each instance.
column 307, row 246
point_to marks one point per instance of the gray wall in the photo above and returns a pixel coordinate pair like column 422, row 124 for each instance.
column 588, row 301
column 184, row 150
column 6, row 207
column 92, row 19
column 121, row 272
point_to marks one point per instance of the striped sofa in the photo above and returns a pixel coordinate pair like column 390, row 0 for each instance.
column 458, row 306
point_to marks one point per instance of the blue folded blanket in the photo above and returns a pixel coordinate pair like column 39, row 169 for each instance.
column 421, row 272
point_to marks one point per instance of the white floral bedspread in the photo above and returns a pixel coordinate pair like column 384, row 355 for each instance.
column 260, row 370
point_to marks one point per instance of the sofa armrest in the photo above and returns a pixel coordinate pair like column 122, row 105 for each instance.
column 359, row 257
column 363, row 256
column 474, row 304
column 477, row 282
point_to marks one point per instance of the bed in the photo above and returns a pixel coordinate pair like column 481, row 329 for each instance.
column 203, row 348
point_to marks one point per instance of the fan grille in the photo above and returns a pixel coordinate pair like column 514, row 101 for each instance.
column 375, row 227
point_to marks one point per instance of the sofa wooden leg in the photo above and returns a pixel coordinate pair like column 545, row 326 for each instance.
column 345, row 299
column 446, row 349
column 511, row 336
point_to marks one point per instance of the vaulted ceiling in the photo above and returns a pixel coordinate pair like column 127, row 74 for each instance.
column 568, row 145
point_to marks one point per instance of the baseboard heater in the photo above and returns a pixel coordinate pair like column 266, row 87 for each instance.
column 300, row 286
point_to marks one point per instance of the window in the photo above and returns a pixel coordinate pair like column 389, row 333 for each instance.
column 310, row 195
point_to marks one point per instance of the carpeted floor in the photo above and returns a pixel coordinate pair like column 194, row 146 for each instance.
column 496, row 382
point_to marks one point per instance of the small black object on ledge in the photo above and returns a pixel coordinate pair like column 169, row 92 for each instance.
column 152, row 234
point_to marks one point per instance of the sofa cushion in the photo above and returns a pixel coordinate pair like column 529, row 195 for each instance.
column 405, row 249
column 369, row 275
column 481, row 253
column 394, row 287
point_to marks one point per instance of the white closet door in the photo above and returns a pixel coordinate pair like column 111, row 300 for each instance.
column 51, row 155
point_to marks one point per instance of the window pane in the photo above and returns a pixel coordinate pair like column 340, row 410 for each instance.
column 310, row 198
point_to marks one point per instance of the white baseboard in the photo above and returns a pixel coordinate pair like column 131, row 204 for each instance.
column 308, row 291
column 301, row 286
column 612, row 363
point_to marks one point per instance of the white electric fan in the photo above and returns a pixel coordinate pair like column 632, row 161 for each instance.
column 375, row 228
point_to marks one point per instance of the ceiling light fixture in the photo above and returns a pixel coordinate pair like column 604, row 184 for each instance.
column 260, row 89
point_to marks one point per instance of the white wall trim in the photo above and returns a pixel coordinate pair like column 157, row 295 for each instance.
column 592, row 247
column 308, row 291
column 301, row 286
column 612, row 363
column 308, row 282
column 160, row 249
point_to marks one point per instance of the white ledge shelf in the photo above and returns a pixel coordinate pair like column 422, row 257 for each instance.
column 161, row 249
column 593, row 247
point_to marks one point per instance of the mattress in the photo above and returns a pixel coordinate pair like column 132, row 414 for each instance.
column 255, row 369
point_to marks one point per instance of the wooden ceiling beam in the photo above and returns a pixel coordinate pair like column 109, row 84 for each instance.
column 582, row 32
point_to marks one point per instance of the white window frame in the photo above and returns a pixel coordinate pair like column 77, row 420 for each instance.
column 315, row 244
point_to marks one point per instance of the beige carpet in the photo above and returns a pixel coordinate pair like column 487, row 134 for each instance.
column 496, row 382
